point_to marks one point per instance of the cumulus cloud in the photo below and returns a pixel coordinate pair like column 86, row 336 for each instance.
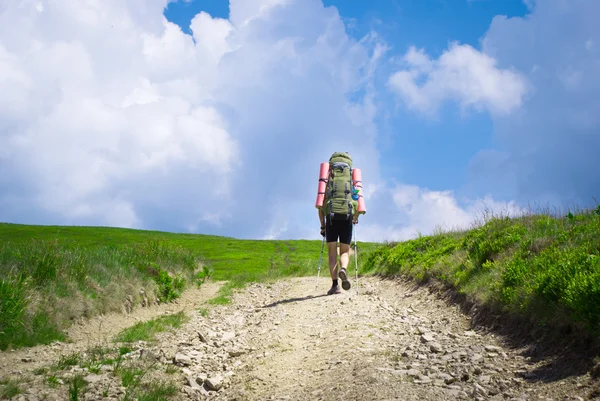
column 403, row 212
column 110, row 114
column 538, row 77
column 462, row 74
column 546, row 152
column 97, row 105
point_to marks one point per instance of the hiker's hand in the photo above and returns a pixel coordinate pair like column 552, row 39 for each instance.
column 322, row 231
column 355, row 220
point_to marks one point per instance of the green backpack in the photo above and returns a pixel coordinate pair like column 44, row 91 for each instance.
column 338, row 203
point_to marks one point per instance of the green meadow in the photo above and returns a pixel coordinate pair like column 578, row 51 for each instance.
column 540, row 267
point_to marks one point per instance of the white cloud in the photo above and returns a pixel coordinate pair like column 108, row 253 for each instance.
column 412, row 210
column 98, row 98
column 538, row 77
column 548, row 146
column 462, row 74
column 109, row 114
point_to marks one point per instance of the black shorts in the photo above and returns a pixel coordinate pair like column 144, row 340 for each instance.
column 338, row 228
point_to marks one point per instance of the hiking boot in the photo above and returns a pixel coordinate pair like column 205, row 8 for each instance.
column 345, row 283
column 335, row 289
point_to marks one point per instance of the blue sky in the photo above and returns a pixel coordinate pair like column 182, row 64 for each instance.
column 412, row 150
column 212, row 116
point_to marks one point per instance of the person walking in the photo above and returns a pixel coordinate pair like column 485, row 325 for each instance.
column 337, row 217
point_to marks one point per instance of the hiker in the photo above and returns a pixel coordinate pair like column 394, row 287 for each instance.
column 338, row 214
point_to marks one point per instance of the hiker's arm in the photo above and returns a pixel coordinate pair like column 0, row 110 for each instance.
column 322, row 221
column 321, row 218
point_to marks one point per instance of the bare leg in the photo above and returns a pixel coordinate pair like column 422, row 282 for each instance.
column 332, row 252
column 344, row 255
column 333, row 268
column 344, row 260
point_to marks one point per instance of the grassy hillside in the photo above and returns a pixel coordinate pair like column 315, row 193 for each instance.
column 545, row 269
column 541, row 268
column 52, row 275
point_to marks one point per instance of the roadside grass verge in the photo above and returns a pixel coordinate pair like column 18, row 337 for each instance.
column 52, row 276
column 542, row 268
column 146, row 331
column 46, row 285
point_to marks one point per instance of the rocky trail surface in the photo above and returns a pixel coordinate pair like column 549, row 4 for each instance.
column 288, row 341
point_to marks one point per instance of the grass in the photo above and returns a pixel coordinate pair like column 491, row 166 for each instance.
column 45, row 285
column 146, row 331
column 52, row 276
column 142, row 379
column 541, row 267
column 77, row 386
column 9, row 388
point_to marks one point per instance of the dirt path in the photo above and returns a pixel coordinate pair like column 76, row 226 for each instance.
column 389, row 342
column 288, row 341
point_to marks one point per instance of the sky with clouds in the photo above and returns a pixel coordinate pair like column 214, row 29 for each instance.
column 212, row 116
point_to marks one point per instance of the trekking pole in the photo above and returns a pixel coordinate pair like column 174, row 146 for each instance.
column 320, row 260
column 355, row 259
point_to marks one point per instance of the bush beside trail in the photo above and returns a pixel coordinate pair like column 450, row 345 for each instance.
column 540, row 268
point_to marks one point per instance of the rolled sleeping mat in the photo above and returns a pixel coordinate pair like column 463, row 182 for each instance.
column 323, row 176
column 357, row 182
